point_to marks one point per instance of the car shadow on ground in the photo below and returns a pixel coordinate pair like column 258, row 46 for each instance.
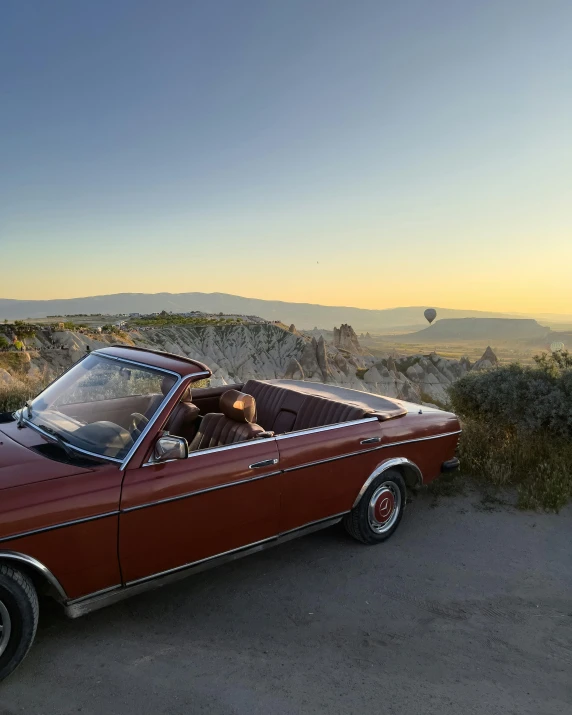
column 332, row 548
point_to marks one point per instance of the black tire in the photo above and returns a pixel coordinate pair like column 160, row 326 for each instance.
column 19, row 613
column 361, row 520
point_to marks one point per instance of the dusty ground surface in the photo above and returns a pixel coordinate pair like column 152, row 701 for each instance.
column 467, row 609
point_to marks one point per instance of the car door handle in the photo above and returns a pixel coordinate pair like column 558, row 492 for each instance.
column 264, row 463
column 370, row 440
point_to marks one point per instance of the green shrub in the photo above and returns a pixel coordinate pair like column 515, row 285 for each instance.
column 517, row 428
column 529, row 399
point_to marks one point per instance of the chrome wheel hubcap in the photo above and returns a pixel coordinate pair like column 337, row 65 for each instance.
column 384, row 507
column 5, row 627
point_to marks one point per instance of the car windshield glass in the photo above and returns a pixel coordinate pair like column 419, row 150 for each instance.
column 100, row 406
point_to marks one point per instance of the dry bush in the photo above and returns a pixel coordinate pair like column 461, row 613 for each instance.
column 517, row 429
column 539, row 466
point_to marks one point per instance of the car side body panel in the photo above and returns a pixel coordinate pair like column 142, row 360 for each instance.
column 81, row 556
column 187, row 510
column 323, row 470
column 112, row 527
column 69, row 524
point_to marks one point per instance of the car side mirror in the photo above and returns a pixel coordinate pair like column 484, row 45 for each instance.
column 170, row 447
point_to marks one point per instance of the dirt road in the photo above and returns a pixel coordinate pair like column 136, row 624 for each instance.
column 467, row 609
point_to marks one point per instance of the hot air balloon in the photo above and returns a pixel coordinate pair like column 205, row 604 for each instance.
column 430, row 315
column 556, row 347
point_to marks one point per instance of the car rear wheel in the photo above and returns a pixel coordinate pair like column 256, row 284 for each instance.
column 18, row 618
column 380, row 509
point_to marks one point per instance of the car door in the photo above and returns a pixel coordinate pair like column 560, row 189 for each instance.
column 323, row 470
column 183, row 512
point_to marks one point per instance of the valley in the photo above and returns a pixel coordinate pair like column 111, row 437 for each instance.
column 237, row 349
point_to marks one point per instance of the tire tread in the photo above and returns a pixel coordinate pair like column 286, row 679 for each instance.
column 353, row 521
column 29, row 593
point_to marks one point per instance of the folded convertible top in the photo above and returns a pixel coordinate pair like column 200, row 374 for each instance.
column 381, row 407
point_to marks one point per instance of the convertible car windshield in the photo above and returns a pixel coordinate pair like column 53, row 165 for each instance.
column 100, row 406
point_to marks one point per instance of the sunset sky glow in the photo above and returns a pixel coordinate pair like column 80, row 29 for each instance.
column 347, row 153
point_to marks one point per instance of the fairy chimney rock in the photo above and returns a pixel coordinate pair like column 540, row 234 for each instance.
column 489, row 359
column 345, row 338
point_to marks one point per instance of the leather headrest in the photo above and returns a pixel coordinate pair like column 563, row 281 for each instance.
column 238, row 406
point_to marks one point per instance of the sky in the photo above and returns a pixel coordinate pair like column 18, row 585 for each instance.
column 365, row 153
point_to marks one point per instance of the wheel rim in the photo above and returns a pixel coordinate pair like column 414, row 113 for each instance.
column 5, row 627
column 384, row 507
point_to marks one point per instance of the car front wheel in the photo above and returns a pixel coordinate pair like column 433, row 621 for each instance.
column 380, row 509
column 18, row 618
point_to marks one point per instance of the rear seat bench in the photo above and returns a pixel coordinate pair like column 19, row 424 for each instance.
column 285, row 410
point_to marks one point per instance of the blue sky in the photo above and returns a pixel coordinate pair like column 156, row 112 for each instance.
column 365, row 153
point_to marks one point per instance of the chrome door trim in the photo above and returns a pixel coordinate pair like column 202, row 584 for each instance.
column 366, row 451
column 421, row 439
column 187, row 495
column 61, row 525
column 198, row 452
column 210, row 450
column 325, row 428
column 306, row 465
column 383, row 467
column 318, row 461
column 39, row 568
column 92, row 602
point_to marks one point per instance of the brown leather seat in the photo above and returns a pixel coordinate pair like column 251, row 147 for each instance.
column 321, row 411
column 182, row 421
column 276, row 408
column 286, row 410
column 233, row 424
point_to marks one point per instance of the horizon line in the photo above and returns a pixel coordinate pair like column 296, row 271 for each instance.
column 271, row 300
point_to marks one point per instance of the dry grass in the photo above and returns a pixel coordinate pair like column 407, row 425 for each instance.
column 539, row 466
column 14, row 396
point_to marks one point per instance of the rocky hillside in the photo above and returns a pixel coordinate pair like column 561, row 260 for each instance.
column 236, row 353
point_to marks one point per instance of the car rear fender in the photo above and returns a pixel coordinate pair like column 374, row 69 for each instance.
column 409, row 470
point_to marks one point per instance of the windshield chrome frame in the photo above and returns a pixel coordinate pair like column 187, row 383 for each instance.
column 123, row 462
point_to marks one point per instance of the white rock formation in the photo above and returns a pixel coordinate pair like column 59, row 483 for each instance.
column 236, row 353
column 488, row 360
column 346, row 339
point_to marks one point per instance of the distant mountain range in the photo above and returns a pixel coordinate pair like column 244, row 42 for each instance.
column 303, row 315
column 489, row 329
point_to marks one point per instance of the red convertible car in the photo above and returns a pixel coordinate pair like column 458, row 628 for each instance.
column 120, row 477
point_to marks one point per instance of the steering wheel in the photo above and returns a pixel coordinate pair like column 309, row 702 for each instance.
column 138, row 422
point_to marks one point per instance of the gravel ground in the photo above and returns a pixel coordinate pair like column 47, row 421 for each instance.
column 467, row 609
